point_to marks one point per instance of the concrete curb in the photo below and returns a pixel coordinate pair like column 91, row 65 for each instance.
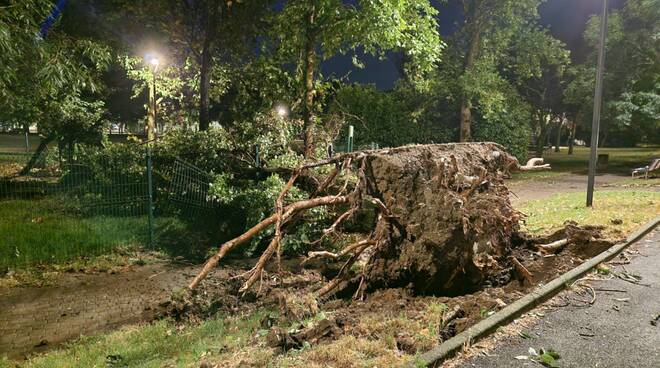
column 527, row 302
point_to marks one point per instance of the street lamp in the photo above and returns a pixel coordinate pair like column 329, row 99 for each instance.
column 281, row 111
column 153, row 62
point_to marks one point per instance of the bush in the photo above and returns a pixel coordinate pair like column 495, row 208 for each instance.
column 513, row 136
column 387, row 118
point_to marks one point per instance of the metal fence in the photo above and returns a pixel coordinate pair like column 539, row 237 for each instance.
column 72, row 211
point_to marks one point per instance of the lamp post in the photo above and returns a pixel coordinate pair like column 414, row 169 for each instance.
column 595, row 124
column 151, row 118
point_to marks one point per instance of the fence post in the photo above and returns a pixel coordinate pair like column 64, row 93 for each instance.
column 150, row 199
column 349, row 142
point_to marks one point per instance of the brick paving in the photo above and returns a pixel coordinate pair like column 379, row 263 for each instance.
column 35, row 319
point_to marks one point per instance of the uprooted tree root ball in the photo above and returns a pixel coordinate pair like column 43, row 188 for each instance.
column 444, row 220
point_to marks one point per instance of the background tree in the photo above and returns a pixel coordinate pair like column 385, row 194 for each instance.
column 537, row 69
column 487, row 30
column 207, row 36
column 307, row 32
column 52, row 82
column 631, row 109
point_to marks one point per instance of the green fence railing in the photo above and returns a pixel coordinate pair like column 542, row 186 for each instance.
column 73, row 211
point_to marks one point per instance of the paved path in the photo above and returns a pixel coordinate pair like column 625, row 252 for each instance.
column 610, row 333
column 33, row 319
column 537, row 189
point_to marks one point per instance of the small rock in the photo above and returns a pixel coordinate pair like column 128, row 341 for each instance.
column 616, row 221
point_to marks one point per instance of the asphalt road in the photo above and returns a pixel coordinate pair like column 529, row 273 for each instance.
column 613, row 332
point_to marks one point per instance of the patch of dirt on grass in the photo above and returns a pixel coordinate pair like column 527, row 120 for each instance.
column 121, row 260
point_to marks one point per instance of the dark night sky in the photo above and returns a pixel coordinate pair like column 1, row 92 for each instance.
column 565, row 18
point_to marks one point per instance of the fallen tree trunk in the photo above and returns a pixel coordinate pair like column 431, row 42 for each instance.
column 444, row 217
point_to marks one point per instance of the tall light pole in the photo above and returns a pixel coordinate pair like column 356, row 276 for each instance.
column 151, row 118
column 595, row 124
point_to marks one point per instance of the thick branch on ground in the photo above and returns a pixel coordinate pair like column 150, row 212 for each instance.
column 279, row 208
column 330, row 286
column 534, row 164
column 275, row 243
column 553, row 247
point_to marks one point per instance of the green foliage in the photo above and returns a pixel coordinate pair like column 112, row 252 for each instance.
column 50, row 82
column 389, row 119
column 255, row 201
column 372, row 26
column 631, row 99
column 176, row 88
column 508, row 128
column 305, row 33
column 125, row 160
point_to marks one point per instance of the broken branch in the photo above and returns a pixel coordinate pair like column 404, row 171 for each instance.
column 553, row 247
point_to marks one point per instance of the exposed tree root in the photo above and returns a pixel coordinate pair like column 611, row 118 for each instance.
column 521, row 270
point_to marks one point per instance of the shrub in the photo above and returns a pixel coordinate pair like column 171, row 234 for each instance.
column 512, row 135
column 387, row 118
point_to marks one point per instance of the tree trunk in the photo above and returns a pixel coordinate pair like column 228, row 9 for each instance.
column 558, row 137
column 37, row 154
column 310, row 65
column 571, row 138
column 206, row 67
column 540, row 140
column 465, row 122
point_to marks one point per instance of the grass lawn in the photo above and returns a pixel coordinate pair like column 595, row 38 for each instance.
column 45, row 231
column 633, row 207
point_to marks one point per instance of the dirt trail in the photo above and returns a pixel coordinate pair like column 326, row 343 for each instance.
column 34, row 319
column 523, row 191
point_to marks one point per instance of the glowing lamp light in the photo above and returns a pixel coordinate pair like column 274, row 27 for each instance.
column 153, row 60
column 281, row 111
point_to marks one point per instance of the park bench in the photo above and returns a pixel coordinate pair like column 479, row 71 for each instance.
column 647, row 170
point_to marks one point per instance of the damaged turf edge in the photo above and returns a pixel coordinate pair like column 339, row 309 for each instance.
column 527, row 302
